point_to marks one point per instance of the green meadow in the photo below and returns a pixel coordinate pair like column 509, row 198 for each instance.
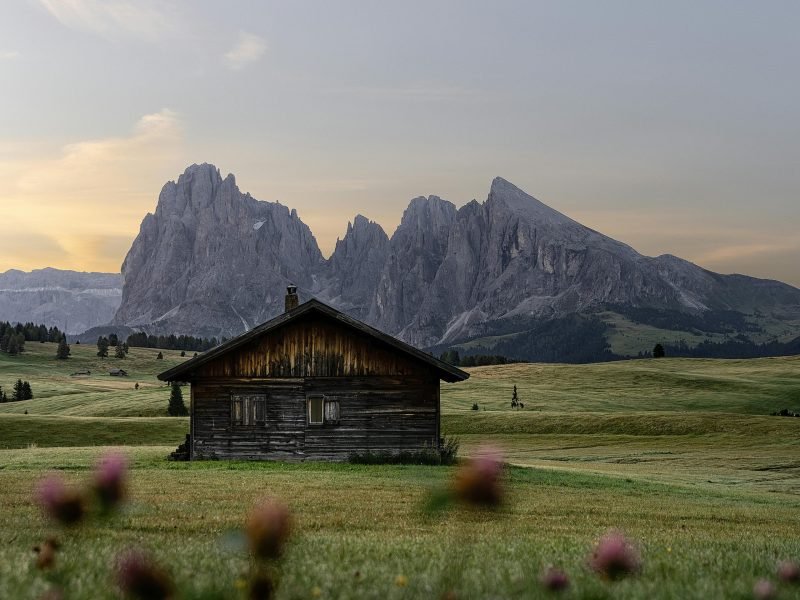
column 682, row 455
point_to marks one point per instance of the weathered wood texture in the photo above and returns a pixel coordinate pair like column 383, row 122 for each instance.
column 386, row 401
column 311, row 347
column 376, row 413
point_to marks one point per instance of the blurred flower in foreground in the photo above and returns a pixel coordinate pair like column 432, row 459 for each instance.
column 789, row 572
column 138, row 576
column 261, row 588
column 764, row 590
column 268, row 528
column 59, row 502
column 401, row 581
column 554, row 580
column 615, row 557
column 52, row 594
column 479, row 480
column 46, row 553
column 108, row 481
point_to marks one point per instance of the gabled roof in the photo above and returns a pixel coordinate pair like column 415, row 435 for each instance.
column 445, row 371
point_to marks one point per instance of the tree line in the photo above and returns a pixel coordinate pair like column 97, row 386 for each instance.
column 452, row 357
column 21, row 391
column 172, row 342
column 13, row 337
column 734, row 348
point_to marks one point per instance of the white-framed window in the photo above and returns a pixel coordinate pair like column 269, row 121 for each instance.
column 248, row 410
column 323, row 410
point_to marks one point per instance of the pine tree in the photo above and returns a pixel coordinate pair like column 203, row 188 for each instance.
column 125, row 348
column 2, row 395
column 183, row 353
column 113, row 340
column 160, row 356
column 514, row 398
column 119, row 352
column 27, row 392
column 63, row 348
column 13, row 345
column 176, row 406
column 102, row 347
column 18, row 393
column 658, row 351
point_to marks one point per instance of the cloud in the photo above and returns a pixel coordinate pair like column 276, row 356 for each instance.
column 248, row 49
column 111, row 18
column 91, row 195
column 9, row 54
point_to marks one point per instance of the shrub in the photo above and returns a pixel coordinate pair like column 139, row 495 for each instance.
column 475, row 406
column 446, row 455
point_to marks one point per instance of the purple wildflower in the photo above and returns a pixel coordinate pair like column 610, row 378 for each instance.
column 615, row 557
column 479, row 480
column 59, row 502
column 109, row 479
column 789, row 572
column 554, row 580
column 764, row 589
column 46, row 553
column 138, row 576
column 268, row 527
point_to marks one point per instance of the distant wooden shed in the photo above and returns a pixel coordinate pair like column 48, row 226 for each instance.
column 312, row 383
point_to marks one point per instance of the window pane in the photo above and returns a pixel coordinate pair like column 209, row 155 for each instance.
column 315, row 411
column 332, row 411
column 248, row 409
column 259, row 417
column 237, row 412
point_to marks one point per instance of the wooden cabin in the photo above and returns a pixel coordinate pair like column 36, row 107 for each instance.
column 312, row 383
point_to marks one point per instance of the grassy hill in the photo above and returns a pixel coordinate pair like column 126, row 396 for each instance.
column 680, row 454
column 751, row 386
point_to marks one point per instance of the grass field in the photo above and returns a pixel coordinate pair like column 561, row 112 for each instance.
column 680, row 454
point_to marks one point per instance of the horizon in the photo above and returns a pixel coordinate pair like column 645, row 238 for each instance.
column 672, row 148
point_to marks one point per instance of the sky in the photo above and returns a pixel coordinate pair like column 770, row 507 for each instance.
column 671, row 126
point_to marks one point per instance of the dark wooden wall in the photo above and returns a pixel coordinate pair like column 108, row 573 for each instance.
column 387, row 401
column 376, row 413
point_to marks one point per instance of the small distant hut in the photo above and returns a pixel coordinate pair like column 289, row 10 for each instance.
column 312, row 383
column 118, row 373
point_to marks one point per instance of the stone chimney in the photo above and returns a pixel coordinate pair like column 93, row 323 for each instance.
column 292, row 299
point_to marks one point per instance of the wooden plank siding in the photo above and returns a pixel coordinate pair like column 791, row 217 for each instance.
column 387, row 402
column 311, row 347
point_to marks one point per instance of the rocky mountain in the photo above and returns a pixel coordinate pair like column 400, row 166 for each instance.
column 510, row 275
column 354, row 269
column 66, row 299
column 417, row 249
column 212, row 260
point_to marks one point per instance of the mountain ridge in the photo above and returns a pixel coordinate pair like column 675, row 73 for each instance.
column 211, row 260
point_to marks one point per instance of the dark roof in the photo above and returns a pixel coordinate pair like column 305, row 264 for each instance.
column 445, row 371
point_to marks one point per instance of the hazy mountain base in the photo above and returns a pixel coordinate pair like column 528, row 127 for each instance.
column 629, row 332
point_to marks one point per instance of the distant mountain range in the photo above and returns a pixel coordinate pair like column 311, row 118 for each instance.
column 70, row 300
column 507, row 276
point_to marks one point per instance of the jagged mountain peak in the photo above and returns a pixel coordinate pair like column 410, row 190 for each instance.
column 509, row 195
column 215, row 261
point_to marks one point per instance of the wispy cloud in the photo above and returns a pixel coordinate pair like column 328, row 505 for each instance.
column 111, row 18
column 92, row 194
column 248, row 49
column 8, row 54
